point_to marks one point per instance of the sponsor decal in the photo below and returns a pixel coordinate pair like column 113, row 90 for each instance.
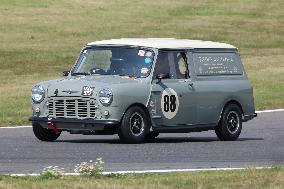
column 148, row 60
column 149, row 54
column 144, row 70
column 87, row 91
column 141, row 53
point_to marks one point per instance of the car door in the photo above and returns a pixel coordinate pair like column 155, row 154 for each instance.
column 172, row 100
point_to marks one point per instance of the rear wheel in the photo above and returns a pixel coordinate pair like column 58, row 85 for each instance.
column 230, row 125
column 134, row 125
column 44, row 134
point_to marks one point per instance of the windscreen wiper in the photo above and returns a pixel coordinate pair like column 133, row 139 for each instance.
column 129, row 75
column 80, row 73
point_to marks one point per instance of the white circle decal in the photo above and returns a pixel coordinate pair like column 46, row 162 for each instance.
column 169, row 103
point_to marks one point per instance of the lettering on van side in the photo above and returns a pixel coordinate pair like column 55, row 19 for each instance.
column 217, row 64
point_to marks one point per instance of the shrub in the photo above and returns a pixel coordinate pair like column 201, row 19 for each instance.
column 90, row 168
column 52, row 172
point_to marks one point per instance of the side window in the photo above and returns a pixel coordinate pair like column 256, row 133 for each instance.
column 181, row 62
column 173, row 63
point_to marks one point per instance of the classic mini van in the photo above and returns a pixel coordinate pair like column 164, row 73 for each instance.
column 138, row 88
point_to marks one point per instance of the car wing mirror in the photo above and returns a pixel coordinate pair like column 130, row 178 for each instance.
column 66, row 73
column 162, row 76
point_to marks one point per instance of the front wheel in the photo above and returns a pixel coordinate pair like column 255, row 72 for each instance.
column 230, row 125
column 134, row 125
column 44, row 134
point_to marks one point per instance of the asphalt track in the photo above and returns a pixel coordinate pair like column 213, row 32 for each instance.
column 260, row 144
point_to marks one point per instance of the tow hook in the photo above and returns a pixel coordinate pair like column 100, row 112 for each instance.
column 52, row 125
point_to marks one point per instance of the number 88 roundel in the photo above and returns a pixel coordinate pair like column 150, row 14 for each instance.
column 169, row 103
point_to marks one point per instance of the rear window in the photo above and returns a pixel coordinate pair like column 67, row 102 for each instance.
column 212, row 64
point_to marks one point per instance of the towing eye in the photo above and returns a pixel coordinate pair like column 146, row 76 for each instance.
column 52, row 125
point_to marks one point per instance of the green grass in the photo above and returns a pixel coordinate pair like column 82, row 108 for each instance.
column 40, row 39
column 249, row 178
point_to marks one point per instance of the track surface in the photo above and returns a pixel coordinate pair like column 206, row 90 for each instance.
column 260, row 144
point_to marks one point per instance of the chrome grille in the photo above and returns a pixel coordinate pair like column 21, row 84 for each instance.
column 72, row 107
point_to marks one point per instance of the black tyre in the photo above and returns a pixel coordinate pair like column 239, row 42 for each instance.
column 134, row 125
column 230, row 124
column 151, row 135
column 44, row 134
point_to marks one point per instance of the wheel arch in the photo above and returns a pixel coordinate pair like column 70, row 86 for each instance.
column 232, row 101
column 141, row 106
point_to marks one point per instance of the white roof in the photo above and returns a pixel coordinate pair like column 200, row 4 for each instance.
column 163, row 43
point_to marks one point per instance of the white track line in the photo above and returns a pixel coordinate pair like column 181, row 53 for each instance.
column 259, row 112
column 180, row 170
column 269, row 111
column 16, row 127
column 152, row 171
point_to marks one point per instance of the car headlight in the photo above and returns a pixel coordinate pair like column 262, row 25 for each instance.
column 105, row 97
column 38, row 93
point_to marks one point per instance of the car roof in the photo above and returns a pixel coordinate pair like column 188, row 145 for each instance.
column 163, row 43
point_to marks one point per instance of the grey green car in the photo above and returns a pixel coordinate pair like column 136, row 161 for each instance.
column 138, row 88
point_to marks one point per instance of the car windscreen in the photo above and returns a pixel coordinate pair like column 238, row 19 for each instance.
column 123, row 61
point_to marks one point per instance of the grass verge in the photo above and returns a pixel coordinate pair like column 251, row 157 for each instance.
column 40, row 39
column 248, row 178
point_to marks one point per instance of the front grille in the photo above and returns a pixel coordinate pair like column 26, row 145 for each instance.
column 72, row 107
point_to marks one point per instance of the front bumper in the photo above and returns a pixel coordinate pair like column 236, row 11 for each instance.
column 73, row 124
